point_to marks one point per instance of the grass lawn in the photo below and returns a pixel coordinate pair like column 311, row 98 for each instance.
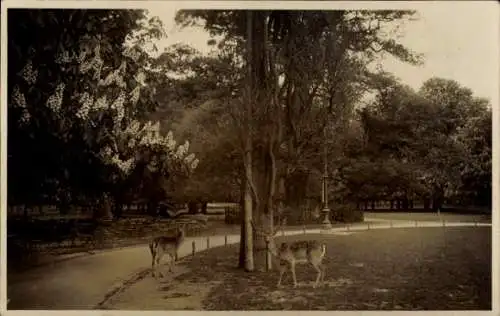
column 448, row 217
column 394, row 269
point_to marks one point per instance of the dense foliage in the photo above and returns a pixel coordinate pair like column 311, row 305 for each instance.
column 78, row 105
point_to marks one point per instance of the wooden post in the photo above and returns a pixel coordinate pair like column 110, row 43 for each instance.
column 194, row 247
column 225, row 240
column 475, row 223
column 208, row 242
column 368, row 226
column 304, row 229
column 347, row 226
column 268, row 258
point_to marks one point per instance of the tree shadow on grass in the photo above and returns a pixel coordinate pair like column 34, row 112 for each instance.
column 398, row 269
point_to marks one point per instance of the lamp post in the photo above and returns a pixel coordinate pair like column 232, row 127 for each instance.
column 326, row 210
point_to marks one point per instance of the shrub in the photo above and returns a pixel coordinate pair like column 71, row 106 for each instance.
column 346, row 213
column 232, row 215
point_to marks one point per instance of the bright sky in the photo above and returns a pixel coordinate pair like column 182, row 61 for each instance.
column 459, row 41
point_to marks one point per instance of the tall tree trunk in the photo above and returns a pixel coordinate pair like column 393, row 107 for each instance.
column 248, row 205
column 272, row 190
column 261, row 210
column 241, row 263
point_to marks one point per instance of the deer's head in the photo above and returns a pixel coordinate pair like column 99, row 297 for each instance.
column 267, row 234
column 181, row 230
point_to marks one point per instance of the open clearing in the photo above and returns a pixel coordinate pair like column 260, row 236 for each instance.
column 390, row 269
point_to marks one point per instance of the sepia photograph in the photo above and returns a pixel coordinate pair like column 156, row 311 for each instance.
column 249, row 156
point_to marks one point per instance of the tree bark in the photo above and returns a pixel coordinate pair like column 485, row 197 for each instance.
column 272, row 189
column 241, row 263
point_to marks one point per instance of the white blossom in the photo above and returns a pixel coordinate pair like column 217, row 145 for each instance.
column 133, row 128
column 54, row 102
column 181, row 151
column 63, row 57
column 106, row 152
column 124, row 165
column 97, row 50
column 156, row 127
column 25, row 117
column 170, row 141
column 101, row 103
column 136, row 135
column 189, row 158
column 81, row 57
column 123, row 67
column 83, row 112
column 131, row 142
column 97, row 66
column 186, row 146
column 28, row 73
column 118, row 103
column 120, row 82
column 18, row 97
column 195, row 163
column 132, row 53
column 140, row 78
column 85, row 66
column 135, row 94
column 109, row 79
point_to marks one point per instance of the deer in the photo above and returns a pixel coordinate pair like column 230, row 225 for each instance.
column 162, row 245
column 290, row 254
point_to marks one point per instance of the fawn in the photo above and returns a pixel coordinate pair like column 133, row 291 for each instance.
column 162, row 245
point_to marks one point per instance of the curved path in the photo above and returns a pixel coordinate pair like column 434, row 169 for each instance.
column 84, row 282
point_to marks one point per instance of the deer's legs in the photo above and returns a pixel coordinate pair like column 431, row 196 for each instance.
column 283, row 267
column 153, row 265
column 323, row 272
column 158, row 258
column 318, row 268
column 172, row 261
column 292, row 267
